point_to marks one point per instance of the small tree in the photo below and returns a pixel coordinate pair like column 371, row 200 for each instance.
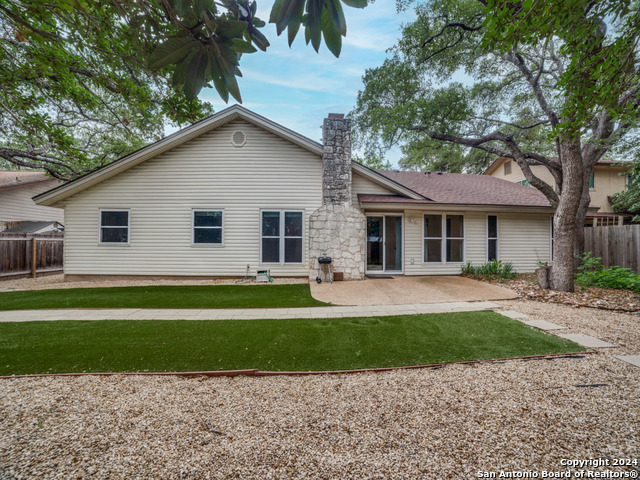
column 550, row 85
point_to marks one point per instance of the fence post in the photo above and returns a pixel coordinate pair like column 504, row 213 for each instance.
column 34, row 260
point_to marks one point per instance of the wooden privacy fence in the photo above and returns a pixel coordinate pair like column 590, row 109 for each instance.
column 618, row 245
column 23, row 254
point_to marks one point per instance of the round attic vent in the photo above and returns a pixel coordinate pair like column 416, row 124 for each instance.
column 238, row 139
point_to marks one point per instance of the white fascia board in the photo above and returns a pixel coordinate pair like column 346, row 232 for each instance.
column 455, row 207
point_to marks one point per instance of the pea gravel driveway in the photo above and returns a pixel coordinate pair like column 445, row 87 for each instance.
column 445, row 423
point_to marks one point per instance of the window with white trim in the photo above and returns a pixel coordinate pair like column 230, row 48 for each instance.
column 492, row 237
column 455, row 238
column 433, row 238
column 443, row 238
column 208, row 227
column 282, row 233
column 114, row 226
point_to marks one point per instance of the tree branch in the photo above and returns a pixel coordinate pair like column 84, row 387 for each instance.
column 512, row 152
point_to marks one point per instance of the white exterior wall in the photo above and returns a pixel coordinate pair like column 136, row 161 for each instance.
column 523, row 239
column 362, row 185
column 205, row 173
column 16, row 204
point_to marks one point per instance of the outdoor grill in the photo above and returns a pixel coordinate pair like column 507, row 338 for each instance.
column 322, row 261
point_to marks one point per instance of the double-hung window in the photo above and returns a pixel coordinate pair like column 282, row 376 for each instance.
column 455, row 238
column 443, row 238
column 208, row 227
column 114, row 226
column 433, row 238
column 281, row 236
column 492, row 237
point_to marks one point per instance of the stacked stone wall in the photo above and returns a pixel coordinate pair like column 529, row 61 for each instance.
column 339, row 232
column 336, row 228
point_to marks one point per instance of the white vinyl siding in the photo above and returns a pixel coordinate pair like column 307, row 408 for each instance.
column 364, row 185
column 16, row 204
column 266, row 173
column 523, row 240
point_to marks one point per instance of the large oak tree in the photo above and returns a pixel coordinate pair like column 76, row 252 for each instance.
column 550, row 83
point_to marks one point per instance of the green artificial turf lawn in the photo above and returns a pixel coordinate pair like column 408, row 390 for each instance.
column 193, row 296
column 272, row 345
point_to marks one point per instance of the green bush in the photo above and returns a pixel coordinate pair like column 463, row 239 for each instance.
column 492, row 269
column 593, row 273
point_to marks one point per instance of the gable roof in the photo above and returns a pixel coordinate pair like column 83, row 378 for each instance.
column 466, row 189
column 602, row 163
column 16, row 178
column 232, row 113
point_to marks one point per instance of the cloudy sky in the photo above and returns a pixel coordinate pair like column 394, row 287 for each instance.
column 297, row 87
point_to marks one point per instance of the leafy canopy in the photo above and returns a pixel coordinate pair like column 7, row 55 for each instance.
column 491, row 75
column 83, row 83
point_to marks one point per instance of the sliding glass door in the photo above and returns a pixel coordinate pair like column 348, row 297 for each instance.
column 384, row 244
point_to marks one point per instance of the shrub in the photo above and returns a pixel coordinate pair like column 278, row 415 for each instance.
column 593, row 273
column 492, row 269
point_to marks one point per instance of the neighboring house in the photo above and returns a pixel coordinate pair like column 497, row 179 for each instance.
column 36, row 227
column 17, row 187
column 237, row 189
column 606, row 179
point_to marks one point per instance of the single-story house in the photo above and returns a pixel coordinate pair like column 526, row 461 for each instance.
column 237, row 189
column 17, row 187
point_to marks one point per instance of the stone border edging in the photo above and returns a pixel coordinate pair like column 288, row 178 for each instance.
column 259, row 373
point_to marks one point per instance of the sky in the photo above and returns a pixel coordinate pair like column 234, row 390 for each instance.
column 298, row 87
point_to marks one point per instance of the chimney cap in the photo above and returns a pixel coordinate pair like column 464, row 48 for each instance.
column 338, row 116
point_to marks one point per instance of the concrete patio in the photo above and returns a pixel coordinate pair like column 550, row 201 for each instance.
column 400, row 290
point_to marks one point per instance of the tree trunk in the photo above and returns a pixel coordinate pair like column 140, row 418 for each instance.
column 581, row 216
column 564, row 220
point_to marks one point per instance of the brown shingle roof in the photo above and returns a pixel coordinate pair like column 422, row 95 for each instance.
column 466, row 189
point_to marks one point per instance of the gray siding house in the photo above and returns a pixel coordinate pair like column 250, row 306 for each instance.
column 237, row 189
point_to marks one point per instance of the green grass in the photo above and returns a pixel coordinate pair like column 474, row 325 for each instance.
column 200, row 296
column 276, row 345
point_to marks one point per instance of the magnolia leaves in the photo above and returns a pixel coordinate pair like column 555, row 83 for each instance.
column 215, row 35
column 319, row 17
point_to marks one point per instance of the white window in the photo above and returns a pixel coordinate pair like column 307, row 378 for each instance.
column 455, row 238
column 492, row 237
column 433, row 238
column 443, row 238
column 114, row 226
column 281, row 236
column 208, row 227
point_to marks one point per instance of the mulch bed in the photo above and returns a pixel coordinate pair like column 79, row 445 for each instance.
column 526, row 285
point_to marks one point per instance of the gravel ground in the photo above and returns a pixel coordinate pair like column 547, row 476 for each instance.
column 621, row 329
column 57, row 281
column 444, row 423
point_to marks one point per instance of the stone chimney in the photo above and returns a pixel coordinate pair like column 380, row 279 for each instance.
column 336, row 160
column 337, row 229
